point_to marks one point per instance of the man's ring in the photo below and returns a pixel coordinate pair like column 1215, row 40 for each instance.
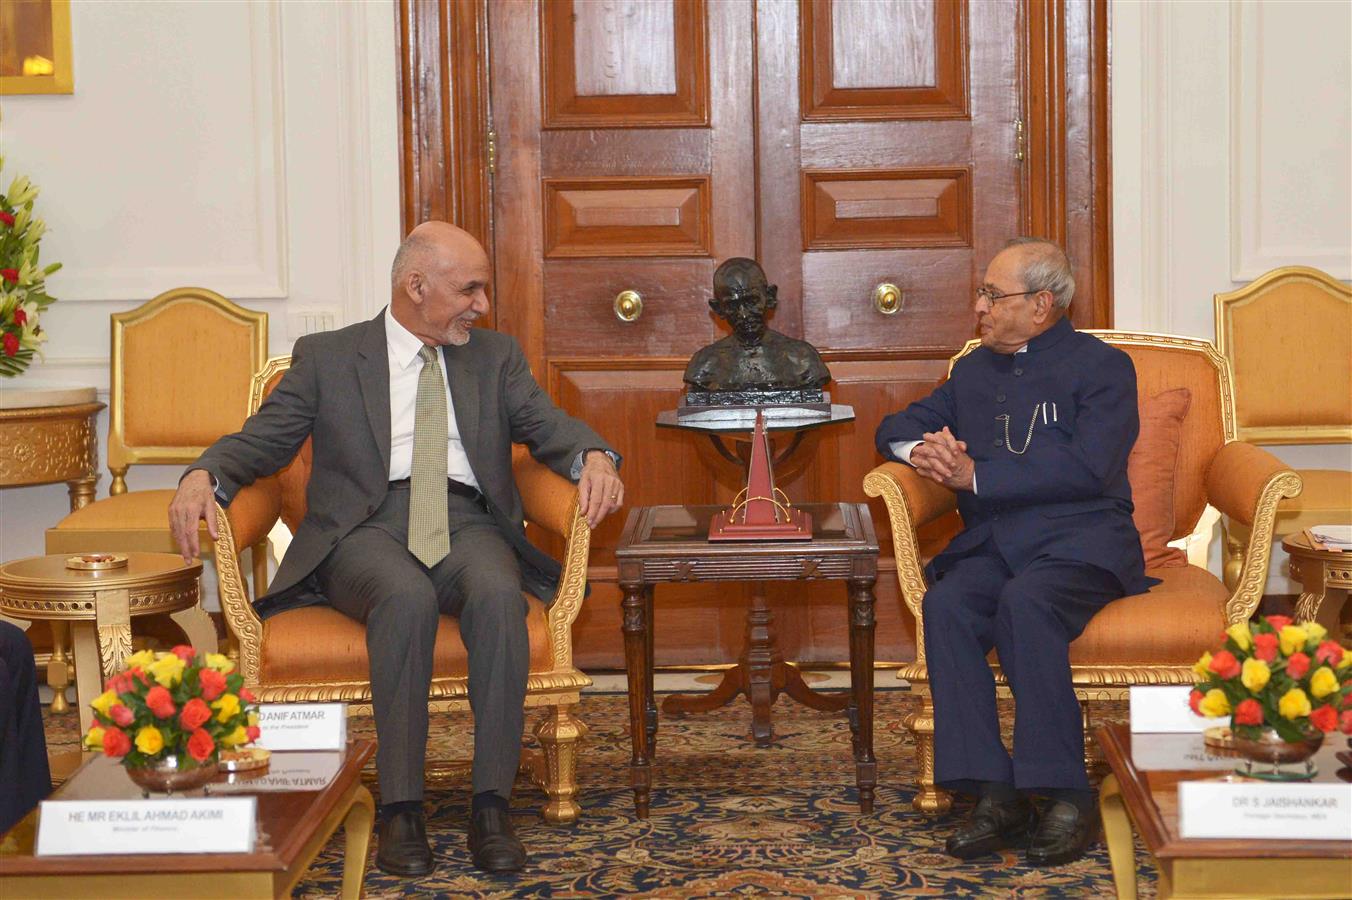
column 614, row 496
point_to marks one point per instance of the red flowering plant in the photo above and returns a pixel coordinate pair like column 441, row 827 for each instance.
column 23, row 282
column 173, row 703
column 1273, row 673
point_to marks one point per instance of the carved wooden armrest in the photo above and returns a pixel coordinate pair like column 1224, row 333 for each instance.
column 1246, row 484
column 912, row 501
column 249, row 518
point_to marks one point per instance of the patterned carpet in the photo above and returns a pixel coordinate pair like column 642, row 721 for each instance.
column 727, row 820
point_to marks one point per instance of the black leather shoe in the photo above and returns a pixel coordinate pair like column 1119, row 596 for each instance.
column 493, row 844
column 1063, row 835
column 403, row 848
column 992, row 826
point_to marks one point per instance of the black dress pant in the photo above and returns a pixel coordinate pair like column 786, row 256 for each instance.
column 25, row 779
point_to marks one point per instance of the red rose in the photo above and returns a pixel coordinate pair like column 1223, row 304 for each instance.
column 1330, row 652
column 1195, row 698
column 1277, row 622
column 200, row 745
column 213, row 684
column 1345, row 722
column 246, row 695
column 1249, row 713
column 1265, row 646
column 20, row 316
column 10, row 275
column 7, row 218
column 1324, row 718
column 1224, row 664
column 115, row 742
column 195, row 714
column 119, row 683
column 121, row 715
column 184, row 652
column 253, row 732
column 11, row 343
column 159, row 702
column 139, row 674
column 1297, row 665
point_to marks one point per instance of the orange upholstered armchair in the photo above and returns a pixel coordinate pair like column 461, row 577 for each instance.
column 1151, row 638
column 318, row 654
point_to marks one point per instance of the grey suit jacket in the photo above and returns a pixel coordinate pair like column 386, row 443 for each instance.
column 338, row 391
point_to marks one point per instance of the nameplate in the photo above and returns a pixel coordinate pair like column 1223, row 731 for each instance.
column 189, row 825
column 1174, row 753
column 1249, row 809
column 1165, row 709
column 295, row 771
column 302, row 726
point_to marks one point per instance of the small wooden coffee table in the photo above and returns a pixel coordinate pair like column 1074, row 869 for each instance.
column 668, row 544
column 1192, row 867
column 1325, row 578
column 99, row 606
column 291, row 827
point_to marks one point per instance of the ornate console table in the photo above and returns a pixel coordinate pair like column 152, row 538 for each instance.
column 48, row 435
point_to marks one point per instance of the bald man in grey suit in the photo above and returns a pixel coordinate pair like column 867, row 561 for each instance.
column 355, row 391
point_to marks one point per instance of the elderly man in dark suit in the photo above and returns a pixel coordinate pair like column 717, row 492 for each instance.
column 413, row 512
column 1033, row 431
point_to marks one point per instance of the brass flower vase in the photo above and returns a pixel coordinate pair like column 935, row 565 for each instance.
column 172, row 773
column 1269, row 757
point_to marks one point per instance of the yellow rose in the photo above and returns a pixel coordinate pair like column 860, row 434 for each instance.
column 104, row 702
column 141, row 660
column 1346, row 660
column 1315, row 630
column 1255, row 674
column 1203, row 666
column 1293, row 639
column 149, row 740
column 1323, row 682
column 1240, row 634
column 167, row 670
column 1214, row 704
column 94, row 738
column 253, row 720
column 220, row 662
column 236, row 737
column 1294, row 704
column 226, row 706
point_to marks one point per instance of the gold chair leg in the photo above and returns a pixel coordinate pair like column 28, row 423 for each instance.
column 1117, row 835
column 929, row 799
column 559, row 733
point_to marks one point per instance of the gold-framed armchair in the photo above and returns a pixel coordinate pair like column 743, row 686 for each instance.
column 1146, row 639
column 318, row 654
column 1288, row 337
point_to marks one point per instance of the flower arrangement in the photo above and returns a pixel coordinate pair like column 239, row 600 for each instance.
column 23, row 285
column 173, row 704
column 1276, row 674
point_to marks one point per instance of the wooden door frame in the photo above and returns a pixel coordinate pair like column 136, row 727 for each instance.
column 446, row 165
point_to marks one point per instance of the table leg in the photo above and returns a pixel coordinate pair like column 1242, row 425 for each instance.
column 357, row 842
column 761, row 656
column 58, row 667
column 861, row 686
column 81, row 491
column 635, row 626
column 112, row 614
column 650, row 702
column 88, row 670
column 198, row 628
column 1117, row 835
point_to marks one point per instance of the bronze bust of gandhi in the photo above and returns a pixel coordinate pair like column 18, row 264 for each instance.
column 755, row 364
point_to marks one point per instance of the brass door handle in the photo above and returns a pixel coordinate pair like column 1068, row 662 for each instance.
column 628, row 306
column 887, row 299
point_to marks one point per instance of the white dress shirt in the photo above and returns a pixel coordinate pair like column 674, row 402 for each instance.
column 405, row 368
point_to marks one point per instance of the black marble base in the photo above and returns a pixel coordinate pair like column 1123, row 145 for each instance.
column 757, row 398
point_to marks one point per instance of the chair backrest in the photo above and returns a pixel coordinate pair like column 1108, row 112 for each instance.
column 295, row 477
column 1288, row 336
column 181, row 368
column 1164, row 362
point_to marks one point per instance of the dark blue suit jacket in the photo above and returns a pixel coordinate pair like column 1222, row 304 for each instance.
column 1066, row 495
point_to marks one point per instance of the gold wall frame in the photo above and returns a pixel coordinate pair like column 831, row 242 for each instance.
column 35, row 47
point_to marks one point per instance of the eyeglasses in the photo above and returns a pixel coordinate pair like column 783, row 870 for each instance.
column 993, row 298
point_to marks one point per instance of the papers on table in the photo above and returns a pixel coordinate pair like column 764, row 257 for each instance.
column 1165, row 709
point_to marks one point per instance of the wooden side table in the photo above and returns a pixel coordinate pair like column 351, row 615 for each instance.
column 99, row 606
column 668, row 544
column 50, row 438
column 1325, row 579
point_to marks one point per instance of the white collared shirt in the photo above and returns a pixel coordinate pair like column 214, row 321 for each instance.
column 405, row 367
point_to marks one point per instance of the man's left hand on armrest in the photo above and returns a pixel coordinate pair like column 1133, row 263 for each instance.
column 599, row 489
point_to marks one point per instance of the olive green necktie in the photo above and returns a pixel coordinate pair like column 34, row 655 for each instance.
column 429, row 533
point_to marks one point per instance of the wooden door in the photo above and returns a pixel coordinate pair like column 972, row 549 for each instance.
column 635, row 144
